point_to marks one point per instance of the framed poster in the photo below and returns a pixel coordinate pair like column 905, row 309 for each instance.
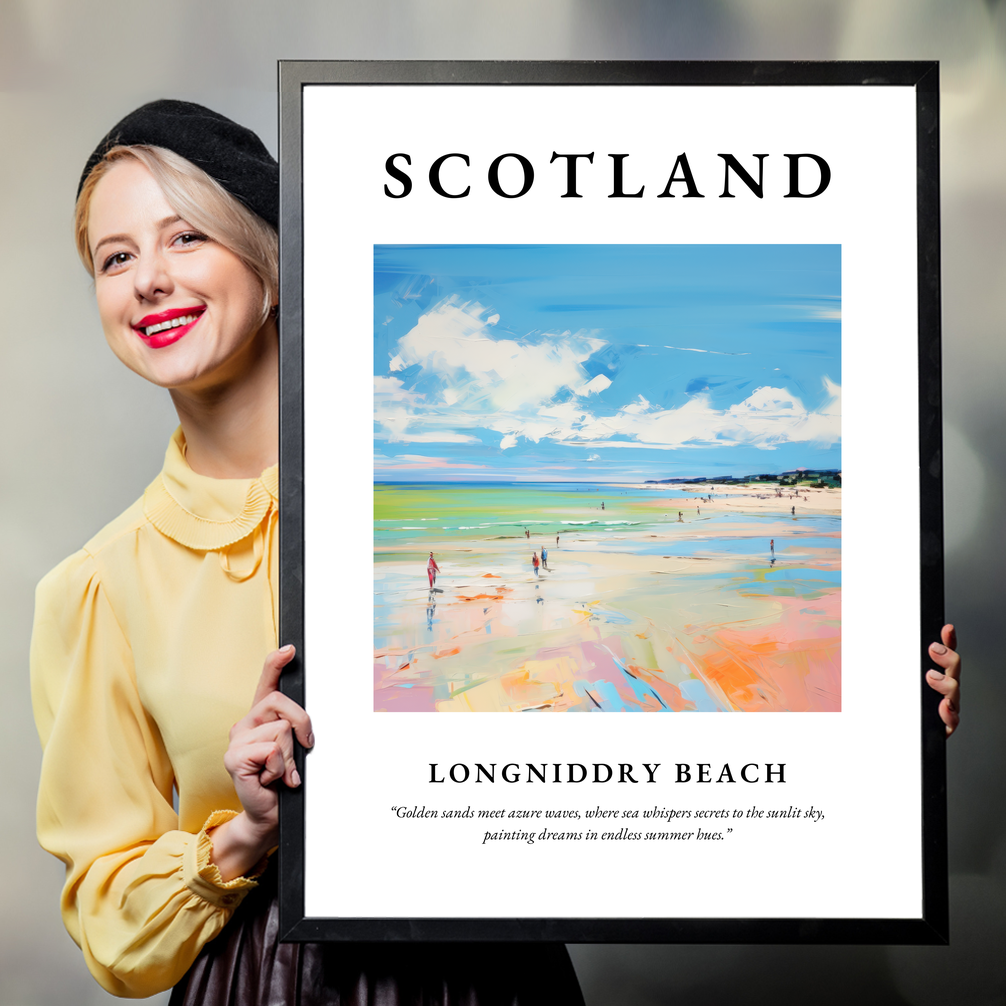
column 610, row 424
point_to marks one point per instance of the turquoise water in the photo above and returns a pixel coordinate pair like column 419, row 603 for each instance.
column 421, row 514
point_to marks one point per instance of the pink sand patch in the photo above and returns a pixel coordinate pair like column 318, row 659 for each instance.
column 793, row 663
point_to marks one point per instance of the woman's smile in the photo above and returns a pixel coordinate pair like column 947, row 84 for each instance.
column 166, row 327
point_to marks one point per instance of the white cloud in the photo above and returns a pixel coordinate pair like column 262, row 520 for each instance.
column 391, row 389
column 823, row 308
column 766, row 418
column 472, row 381
column 597, row 383
column 399, row 428
column 452, row 342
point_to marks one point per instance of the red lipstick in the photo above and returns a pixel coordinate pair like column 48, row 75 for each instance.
column 166, row 327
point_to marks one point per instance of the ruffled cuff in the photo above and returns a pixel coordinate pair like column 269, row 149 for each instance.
column 203, row 878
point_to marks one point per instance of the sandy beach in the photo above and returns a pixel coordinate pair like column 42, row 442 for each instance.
column 659, row 601
column 770, row 497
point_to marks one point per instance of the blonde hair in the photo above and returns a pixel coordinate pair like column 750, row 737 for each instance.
column 199, row 200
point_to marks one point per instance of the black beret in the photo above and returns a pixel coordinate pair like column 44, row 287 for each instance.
column 231, row 154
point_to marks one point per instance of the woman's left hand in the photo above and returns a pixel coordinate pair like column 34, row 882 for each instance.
column 948, row 681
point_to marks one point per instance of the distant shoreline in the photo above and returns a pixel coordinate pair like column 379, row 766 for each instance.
column 830, row 479
column 715, row 485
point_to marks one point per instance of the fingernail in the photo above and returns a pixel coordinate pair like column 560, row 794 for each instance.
column 287, row 649
column 295, row 777
column 310, row 740
column 936, row 675
column 938, row 648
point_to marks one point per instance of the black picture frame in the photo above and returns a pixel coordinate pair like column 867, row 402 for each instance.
column 932, row 926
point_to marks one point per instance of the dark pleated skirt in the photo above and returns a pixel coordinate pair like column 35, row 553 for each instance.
column 246, row 965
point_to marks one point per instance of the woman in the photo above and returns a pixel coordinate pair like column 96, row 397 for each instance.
column 149, row 643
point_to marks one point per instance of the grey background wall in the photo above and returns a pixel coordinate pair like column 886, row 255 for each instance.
column 81, row 436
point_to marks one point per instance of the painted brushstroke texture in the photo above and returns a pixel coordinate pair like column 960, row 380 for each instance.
column 637, row 609
column 600, row 363
column 518, row 388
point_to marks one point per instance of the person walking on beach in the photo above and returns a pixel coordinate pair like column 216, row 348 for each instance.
column 431, row 570
column 771, row 546
column 544, row 557
column 556, row 541
column 534, row 562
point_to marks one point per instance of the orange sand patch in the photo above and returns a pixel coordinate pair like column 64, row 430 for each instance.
column 540, row 683
column 774, row 666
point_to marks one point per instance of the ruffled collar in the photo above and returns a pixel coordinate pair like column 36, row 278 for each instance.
column 203, row 513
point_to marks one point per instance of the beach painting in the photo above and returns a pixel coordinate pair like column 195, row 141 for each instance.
column 607, row 478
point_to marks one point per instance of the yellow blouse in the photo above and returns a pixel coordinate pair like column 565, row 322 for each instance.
column 147, row 647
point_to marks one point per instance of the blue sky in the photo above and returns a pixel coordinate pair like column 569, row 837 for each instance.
column 605, row 362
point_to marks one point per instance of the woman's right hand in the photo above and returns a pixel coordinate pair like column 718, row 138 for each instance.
column 259, row 754
column 948, row 681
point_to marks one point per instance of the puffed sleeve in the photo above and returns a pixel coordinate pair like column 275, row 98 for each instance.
column 141, row 898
